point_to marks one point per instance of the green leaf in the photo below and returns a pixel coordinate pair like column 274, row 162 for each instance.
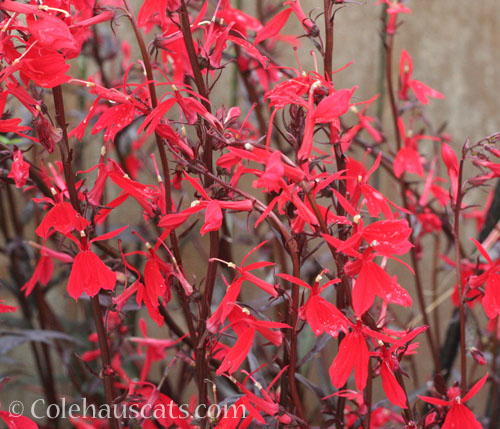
column 6, row 140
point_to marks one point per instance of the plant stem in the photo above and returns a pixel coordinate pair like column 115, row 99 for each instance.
column 403, row 189
column 293, row 314
column 107, row 371
column 369, row 395
column 328, row 54
column 458, row 268
column 69, row 176
column 201, row 358
column 165, row 168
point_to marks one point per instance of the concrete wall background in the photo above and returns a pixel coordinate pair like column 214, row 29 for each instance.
column 455, row 46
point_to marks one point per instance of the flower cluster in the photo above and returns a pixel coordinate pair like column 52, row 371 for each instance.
column 253, row 236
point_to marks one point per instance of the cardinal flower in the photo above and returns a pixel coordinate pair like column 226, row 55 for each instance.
column 213, row 210
column 273, row 27
column 62, row 217
column 372, row 279
column 16, row 421
column 89, row 274
column 244, row 271
column 390, row 357
column 357, row 186
column 42, row 274
column 459, row 416
column 408, row 158
column 245, row 325
column 451, row 162
column 308, row 25
column 491, row 278
column 321, row 315
column 421, row 91
column 393, row 10
column 353, row 355
column 155, row 11
column 4, row 308
column 20, row 170
column 155, row 348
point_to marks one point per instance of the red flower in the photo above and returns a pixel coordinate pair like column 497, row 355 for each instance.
column 390, row 364
column 408, row 158
column 245, row 325
column 459, row 416
column 114, row 119
column 20, row 169
column 353, row 355
column 321, row 315
column 238, row 353
column 89, row 274
column 394, row 9
column 384, row 238
column 16, row 421
column 12, row 420
column 243, row 271
column 4, row 308
column 155, row 348
column 491, row 276
column 42, row 274
column 308, row 25
column 357, row 178
column 451, row 162
column 151, row 8
column 62, row 217
column 421, row 91
column 213, row 212
column 273, row 27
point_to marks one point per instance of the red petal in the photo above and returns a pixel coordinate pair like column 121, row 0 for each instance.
column 476, row 388
column 460, row 417
column 273, row 27
column 343, row 363
column 434, row 401
column 213, row 217
column 392, row 389
column 363, row 292
column 491, row 299
column 333, row 106
column 238, row 353
column 323, row 316
column 75, row 282
column 251, row 50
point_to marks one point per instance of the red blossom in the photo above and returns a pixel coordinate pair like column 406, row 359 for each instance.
column 421, row 91
column 20, row 169
column 458, row 415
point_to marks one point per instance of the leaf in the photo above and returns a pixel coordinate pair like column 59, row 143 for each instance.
column 5, row 140
column 9, row 342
